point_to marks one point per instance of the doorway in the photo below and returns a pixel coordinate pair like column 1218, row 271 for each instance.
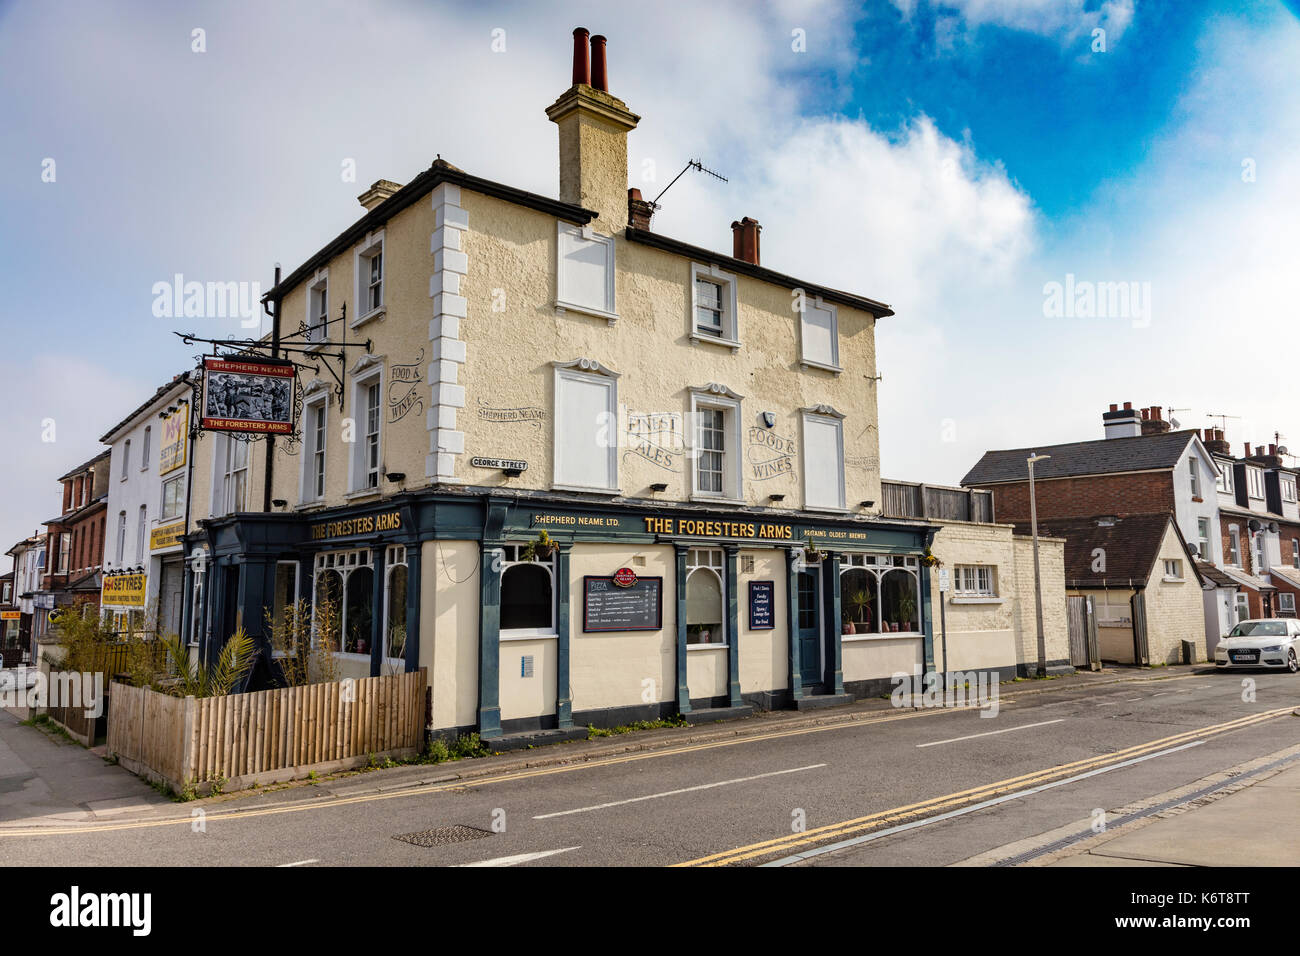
column 809, row 626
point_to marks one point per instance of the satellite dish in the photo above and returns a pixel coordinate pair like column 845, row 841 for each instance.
column 1252, row 524
column 1272, row 527
column 1174, row 422
column 1281, row 450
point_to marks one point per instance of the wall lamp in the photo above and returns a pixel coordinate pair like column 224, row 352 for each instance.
column 395, row 476
column 278, row 502
column 659, row 486
column 776, row 497
column 512, row 472
column 867, row 504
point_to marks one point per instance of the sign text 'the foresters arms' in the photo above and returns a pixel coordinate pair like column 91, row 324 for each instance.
column 718, row 529
column 342, row 528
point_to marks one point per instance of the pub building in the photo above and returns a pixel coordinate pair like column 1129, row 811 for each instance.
column 582, row 472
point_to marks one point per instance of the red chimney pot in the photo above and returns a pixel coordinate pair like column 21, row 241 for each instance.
column 1114, row 407
column 599, row 76
column 1128, row 406
column 581, row 65
column 744, row 240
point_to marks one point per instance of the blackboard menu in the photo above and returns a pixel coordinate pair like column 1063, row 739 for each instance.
column 608, row 607
column 761, row 599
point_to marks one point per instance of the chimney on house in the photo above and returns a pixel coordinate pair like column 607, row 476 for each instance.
column 593, row 127
column 1247, row 455
column 639, row 210
column 1153, row 422
column 1215, row 444
column 379, row 190
column 744, row 240
column 1121, row 422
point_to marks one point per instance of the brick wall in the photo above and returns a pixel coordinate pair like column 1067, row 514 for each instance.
column 1084, row 497
column 1051, row 564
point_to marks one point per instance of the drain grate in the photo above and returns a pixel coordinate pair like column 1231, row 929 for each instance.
column 442, row 836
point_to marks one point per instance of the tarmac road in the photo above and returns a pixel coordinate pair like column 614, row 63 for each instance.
column 746, row 800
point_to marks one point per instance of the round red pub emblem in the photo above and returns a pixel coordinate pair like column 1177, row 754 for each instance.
column 625, row 577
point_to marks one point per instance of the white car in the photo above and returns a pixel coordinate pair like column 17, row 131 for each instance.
column 1261, row 642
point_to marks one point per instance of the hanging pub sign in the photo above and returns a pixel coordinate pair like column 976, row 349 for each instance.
column 248, row 395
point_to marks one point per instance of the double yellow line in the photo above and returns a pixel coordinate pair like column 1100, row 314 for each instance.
column 884, row 818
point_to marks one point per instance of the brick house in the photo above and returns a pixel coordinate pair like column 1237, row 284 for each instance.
column 1143, row 582
column 76, row 537
column 1141, row 467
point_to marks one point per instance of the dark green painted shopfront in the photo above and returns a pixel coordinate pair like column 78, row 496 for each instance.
column 717, row 581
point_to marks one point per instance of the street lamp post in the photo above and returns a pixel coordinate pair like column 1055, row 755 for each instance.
column 1038, row 587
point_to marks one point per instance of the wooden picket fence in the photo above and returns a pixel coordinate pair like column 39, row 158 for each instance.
column 266, row 736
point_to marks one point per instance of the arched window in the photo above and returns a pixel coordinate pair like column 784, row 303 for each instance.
column 343, row 600
column 527, row 594
column 359, row 616
column 704, row 617
column 880, row 594
column 395, row 603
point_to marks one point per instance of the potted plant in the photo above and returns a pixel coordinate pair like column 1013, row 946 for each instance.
column 848, row 624
column 929, row 560
column 907, row 609
column 540, row 548
column 861, row 603
column 811, row 553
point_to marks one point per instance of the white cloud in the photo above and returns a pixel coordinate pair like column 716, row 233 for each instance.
column 1065, row 20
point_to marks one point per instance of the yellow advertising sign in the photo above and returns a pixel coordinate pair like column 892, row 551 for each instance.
column 167, row 536
column 123, row 590
column 175, row 439
column 11, row 615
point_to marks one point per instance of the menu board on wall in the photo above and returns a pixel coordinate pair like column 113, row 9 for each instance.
column 761, row 599
column 608, row 607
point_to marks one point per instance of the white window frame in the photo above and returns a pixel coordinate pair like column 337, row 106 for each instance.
column 1242, row 606
column 1233, row 557
column 587, row 372
column 717, row 397
column 1258, row 553
column 197, row 622
column 121, row 538
column 823, row 415
column 163, row 513
column 804, row 360
column 878, row 566
column 367, row 249
column 1288, row 489
column 975, row 581
column 344, row 562
column 317, row 332
column 1224, row 483
column 222, row 476
column 1194, row 474
column 569, row 233
column 1203, row 536
column 729, row 299
column 307, row 473
column 126, row 459
column 1286, row 603
column 1295, row 552
column 357, row 466
column 141, row 527
column 1254, row 483
column 710, row 561
column 1173, row 569
column 510, row 558
column 144, row 448
column 395, row 557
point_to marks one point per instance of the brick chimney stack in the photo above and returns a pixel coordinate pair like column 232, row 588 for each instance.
column 1153, row 422
column 639, row 210
column 379, row 190
column 744, row 239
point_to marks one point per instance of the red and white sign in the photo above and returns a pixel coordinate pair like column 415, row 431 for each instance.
column 248, row 396
column 624, row 577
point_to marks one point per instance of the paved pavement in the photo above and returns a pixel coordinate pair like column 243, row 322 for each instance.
column 49, row 780
column 869, row 785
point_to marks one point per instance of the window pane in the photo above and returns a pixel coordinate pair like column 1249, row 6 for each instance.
column 329, row 606
column 898, row 601
column 857, row 601
column 286, row 582
column 526, row 597
column 360, row 606
column 397, row 612
column 703, row 608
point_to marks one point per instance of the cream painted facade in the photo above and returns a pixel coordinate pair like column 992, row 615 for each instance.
column 533, row 364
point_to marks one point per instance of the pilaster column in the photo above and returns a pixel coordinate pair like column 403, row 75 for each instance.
column 792, row 622
column 489, row 643
column 683, row 692
column 563, row 688
column 733, row 628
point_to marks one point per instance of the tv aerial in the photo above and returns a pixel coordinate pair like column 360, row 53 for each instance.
column 692, row 164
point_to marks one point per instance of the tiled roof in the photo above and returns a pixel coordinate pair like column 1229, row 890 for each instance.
column 1104, row 456
column 1129, row 545
column 1213, row 574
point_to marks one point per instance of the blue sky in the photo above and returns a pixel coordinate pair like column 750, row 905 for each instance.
column 951, row 159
